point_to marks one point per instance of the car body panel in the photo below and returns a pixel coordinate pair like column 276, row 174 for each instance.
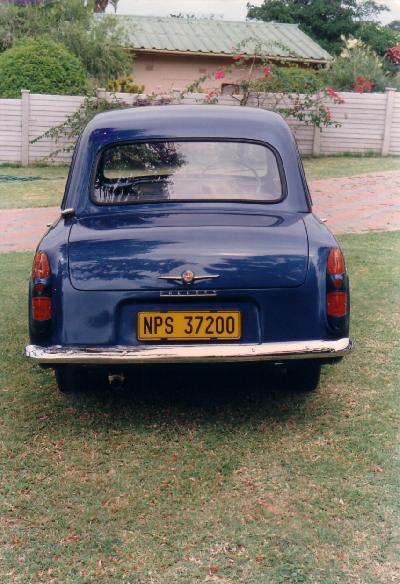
column 106, row 260
column 132, row 252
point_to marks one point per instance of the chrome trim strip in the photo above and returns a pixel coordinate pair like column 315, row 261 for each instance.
column 188, row 292
column 190, row 353
column 195, row 278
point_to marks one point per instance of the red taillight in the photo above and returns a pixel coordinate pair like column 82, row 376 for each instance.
column 336, row 303
column 337, row 296
column 335, row 265
column 41, row 308
column 41, row 266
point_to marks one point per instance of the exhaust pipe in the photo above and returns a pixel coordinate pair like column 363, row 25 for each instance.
column 116, row 380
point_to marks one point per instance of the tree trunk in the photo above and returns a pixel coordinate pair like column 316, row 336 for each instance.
column 100, row 5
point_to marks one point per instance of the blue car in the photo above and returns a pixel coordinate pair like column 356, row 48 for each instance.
column 186, row 235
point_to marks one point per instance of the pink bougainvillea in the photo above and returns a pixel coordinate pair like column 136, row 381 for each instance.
column 238, row 57
column 266, row 71
column 334, row 95
column 328, row 114
column 362, row 85
column 393, row 54
column 219, row 74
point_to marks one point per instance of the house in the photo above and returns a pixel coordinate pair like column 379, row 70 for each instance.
column 170, row 53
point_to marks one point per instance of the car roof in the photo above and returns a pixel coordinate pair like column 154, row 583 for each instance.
column 189, row 121
column 184, row 122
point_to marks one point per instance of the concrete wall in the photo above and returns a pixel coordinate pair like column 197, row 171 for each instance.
column 369, row 122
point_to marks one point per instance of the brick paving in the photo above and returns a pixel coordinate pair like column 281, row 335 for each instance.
column 350, row 205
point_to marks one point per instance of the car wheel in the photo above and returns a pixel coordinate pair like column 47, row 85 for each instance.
column 303, row 376
column 71, row 378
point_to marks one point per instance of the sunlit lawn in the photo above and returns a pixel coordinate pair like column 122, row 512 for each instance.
column 210, row 475
column 48, row 191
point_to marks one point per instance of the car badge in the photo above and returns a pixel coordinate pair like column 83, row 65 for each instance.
column 187, row 277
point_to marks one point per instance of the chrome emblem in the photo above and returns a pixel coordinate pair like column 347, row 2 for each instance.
column 187, row 277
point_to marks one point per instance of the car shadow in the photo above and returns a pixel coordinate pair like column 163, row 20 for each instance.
column 224, row 393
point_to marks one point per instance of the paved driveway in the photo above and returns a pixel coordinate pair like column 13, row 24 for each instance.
column 350, row 205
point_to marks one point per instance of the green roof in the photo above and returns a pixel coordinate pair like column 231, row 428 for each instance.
column 209, row 36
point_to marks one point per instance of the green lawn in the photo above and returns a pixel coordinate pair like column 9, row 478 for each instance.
column 49, row 190
column 45, row 191
column 210, row 476
column 337, row 166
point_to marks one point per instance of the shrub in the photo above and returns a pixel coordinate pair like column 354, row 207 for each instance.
column 42, row 66
column 290, row 80
column 124, row 85
column 357, row 63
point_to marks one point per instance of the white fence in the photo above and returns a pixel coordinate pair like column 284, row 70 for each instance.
column 369, row 122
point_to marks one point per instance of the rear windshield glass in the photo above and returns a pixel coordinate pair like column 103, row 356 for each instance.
column 191, row 171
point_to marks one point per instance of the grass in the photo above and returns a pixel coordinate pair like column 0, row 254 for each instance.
column 49, row 190
column 338, row 166
column 210, row 475
column 46, row 192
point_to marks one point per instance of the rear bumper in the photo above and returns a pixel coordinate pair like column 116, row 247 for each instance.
column 190, row 353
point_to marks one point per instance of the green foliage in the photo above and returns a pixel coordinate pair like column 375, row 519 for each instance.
column 43, row 66
column 291, row 80
column 324, row 20
column 358, row 60
column 124, row 85
column 378, row 38
column 98, row 42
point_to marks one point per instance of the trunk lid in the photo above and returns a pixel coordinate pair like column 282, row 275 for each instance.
column 117, row 251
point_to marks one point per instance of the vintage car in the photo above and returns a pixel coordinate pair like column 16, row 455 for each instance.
column 186, row 235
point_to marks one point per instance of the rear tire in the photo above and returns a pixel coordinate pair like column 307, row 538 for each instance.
column 71, row 379
column 304, row 376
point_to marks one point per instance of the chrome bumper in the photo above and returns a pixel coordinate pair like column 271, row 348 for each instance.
column 190, row 353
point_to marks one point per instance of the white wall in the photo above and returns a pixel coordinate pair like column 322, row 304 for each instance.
column 368, row 122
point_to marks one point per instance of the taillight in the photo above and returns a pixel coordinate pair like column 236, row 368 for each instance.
column 41, row 307
column 337, row 297
column 41, row 266
column 336, row 304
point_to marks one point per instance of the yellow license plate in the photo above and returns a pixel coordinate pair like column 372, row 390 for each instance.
column 194, row 325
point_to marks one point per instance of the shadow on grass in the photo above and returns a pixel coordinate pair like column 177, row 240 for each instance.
column 179, row 395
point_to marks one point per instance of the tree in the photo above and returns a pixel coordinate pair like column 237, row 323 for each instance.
column 97, row 42
column 324, row 20
column 43, row 66
column 394, row 25
column 378, row 38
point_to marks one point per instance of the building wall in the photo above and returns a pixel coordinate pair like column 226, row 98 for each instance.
column 163, row 73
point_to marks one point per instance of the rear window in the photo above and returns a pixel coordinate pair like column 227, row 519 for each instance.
column 191, row 171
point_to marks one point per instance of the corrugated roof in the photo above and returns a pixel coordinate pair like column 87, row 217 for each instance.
column 200, row 35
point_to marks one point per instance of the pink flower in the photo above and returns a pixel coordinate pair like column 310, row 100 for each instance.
column 328, row 114
column 219, row 74
column 238, row 57
column 267, row 71
column 334, row 95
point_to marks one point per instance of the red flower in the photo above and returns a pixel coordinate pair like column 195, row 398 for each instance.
column 219, row 74
column 335, row 96
column 362, row 85
column 267, row 71
column 238, row 57
column 331, row 92
column 393, row 54
column 328, row 114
